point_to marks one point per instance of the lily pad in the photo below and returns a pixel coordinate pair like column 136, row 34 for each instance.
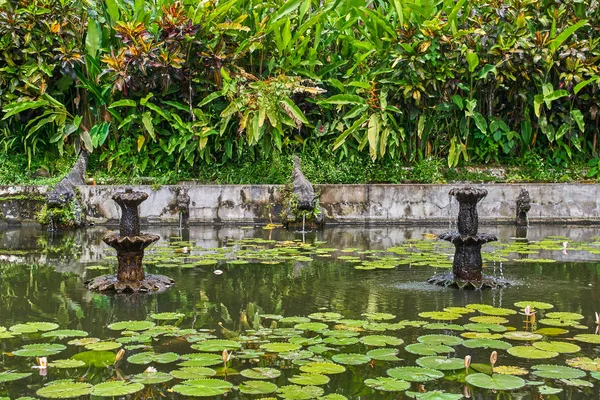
column 257, row 387
column 261, row 373
column 131, row 325
column 203, row 387
column 151, row 378
column 425, row 349
column 189, row 373
column 441, row 363
column 415, row 374
column 351, row 359
column 386, row 354
column 386, row 384
column 100, row 359
column 200, row 360
column 495, row 381
column 12, row 376
column 325, row 316
column 488, row 319
column 103, row 346
column 510, row 370
column 311, row 326
column 381, row 340
column 588, row 338
column 434, row 395
column 116, row 388
column 556, row 372
column 487, row 344
column 67, row 363
column 536, row 305
column 216, row 345
column 547, row 390
column 530, row 352
column 564, row 315
column 296, row 392
column 326, row 368
column 559, row 347
column 167, row 316
column 379, row 316
column 310, row 379
column 65, row 333
column 577, row 382
column 39, row 350
column 440, row 315
column 558, row 322
column 33, row 327
column 440, row 339
column 483, row 327
column 497, row 311
column 551, row 331
column 585, row 363
column 522, row 335
column 280, row 347
column 65, row 390
column 149, row 357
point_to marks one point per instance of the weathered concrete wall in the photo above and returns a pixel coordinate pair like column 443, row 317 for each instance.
column 343, row 204
column 20, row 204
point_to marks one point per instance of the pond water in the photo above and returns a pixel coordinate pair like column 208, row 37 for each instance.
column 374, row 278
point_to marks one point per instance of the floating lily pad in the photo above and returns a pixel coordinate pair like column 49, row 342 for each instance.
column 12, row 376
column 564, row 315
column 103, row 346
column 459, row 310
column 576, row 383
column 415, row 374
column 39, row 350
column 341, row 341
column 33, row 327
column 151, row 378
column 434, row 395
column 386, row 384
column 487, row 344
column 425, row 349
column 441, row 363
column 261, row 373
column 216, row 345
column 193, row 373
column 585, row 363
column 558, row 322
column 559, row 347
column 257, row 387
column 440, row 315
column 588, row 338
column 67, row 363
column 310, row 379
column 116, row 388
column 295, row 355
column 65, row 333
column 149, row 357
column 547, row 390
column 280, row 347
column 386, row 354
column 483, row 327
column 131, row 325
column 65, row 390
column 311, row 326
column 203, row 387
column 167, row 316
column 510, row 370
column 500, row 312
column 294, row 320
column 100, row 359
column 488, row 319
column 326, row 368
column 530, row 352
column 381, row 340
column 551, row 331
column 351, row 359
column 522, row 335
column 296, row 392
column 440, row 339
column 495, row 381
column 445, row 327
column 379, row 316
column 536, row 305
column 200, row 360
column 325, row 316
column 556, row 372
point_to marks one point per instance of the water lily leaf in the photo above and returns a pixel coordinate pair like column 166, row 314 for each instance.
column 481, row 335
column 445, row 327
column 257, row 387
column 193, row 373
column 103, row 346
column 294, row 355
column 67, row 363
column 510, row 370
column 149, row 357
column 203, row 387
column 577, row 382
column 501, row 312
column 167, row 316
column 65, row 333
column 326, row 368
column 588, row 338
column 65, row 390
column 386, row 354
column 488, row 319
column 459, row 310
column 585, row 363
column 478, row 307
column 415, row 374
column 151, row 378
column 536, row 305
column 522, row 335
column 440, row 339
column 341, row 341
column 440, row 315
column 261, row 373
column 131, row 325
column 216, row 345
column 116, row 388
column 280, row 347
column 434, row 395
column 558, row 322
column 483, row 327
column 295, row 392
column 320, row 349
column 12, row 376
column 425, row 349
column 547, row 390
column 200, row 360
column 331, row 396
column 530, row 352
column 311, row 326
column 83, row 341
column 294, row 320
column 556, row 372
column 33, row 327
column 551, row 331
column 325, row 316
column 310, row 379
column 495, row 381
column 559, row 347
column 487, row 344
column 351, row 359
column 564, row 315
column 441, row 363
column 378, row 316
column 381, row 340
column 100, row 359
column 387, row 384
column 39, row 350
column 595, row 375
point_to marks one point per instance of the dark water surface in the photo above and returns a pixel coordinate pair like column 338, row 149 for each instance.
column 41, row 279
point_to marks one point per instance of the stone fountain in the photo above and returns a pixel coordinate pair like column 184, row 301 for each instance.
column 467, row 267
column 130, row 245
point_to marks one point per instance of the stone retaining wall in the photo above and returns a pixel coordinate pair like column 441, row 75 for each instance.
column 343, row 204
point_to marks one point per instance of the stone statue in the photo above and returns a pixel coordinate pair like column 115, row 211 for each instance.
column 523, row 206
column 303, row 198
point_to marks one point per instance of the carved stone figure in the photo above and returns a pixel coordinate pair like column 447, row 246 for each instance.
column 523, row 207
column 304, row 197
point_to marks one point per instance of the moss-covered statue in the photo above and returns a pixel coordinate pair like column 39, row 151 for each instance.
column 302, row 204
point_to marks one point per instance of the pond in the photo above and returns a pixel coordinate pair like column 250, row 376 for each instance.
column 342, row 313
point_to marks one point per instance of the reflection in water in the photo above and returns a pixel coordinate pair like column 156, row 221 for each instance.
column 48, row 286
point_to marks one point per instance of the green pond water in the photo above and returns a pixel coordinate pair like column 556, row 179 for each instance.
column 361, row 301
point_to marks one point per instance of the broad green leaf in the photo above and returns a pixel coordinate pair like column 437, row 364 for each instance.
column 147, row 122
column 93, row 38
column 344, row 99
column 65, row 390
column 565, row 34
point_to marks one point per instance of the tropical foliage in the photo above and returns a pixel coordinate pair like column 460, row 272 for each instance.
column 151, row 86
